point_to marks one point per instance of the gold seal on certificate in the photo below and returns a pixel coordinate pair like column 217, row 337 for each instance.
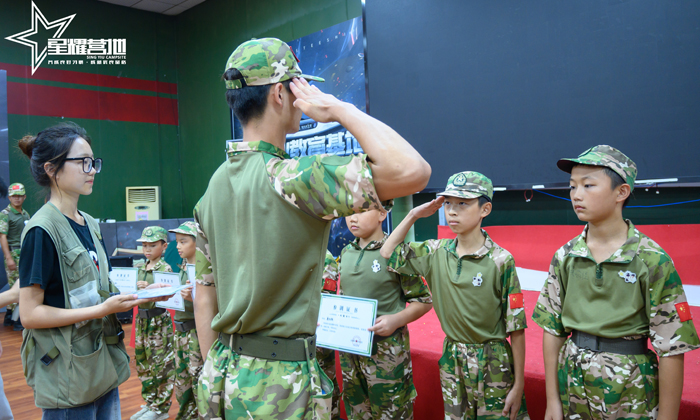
column 343, row 323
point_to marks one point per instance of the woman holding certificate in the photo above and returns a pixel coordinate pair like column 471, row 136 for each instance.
column 72, row 351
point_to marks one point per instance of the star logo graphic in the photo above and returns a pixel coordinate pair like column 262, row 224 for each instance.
column 23, row 37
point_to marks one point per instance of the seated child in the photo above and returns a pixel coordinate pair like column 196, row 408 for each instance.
column 154, row 334
column 477, row 298
column 380, row 386
column 188, row 357
column 609, row 291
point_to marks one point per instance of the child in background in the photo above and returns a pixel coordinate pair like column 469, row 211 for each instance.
column 380, row 386
column 188, row 358
column 477, row 298
column 154, row 334
column 612, row 288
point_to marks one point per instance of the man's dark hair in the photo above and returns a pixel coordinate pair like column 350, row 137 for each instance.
column 248, row 102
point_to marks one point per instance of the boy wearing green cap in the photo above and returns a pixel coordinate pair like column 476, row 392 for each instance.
column 326, row 357
column 477, row 298
column 259, row 206
column 623, row 291
column 12, row 221
column 188, row 358
column 379, row 386
column 154, row 334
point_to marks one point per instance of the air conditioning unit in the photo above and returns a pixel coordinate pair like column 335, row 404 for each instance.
column 142, row 203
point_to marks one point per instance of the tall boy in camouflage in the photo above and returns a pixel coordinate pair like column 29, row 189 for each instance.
column 326, row 357
column 154, row 334
column 380, row 386
column 608, row 292
column 188, row 357
column 12, row 221
column 477, row 298
column 256, row 320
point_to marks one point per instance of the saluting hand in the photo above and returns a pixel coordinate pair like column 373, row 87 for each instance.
column 314, row 103
column 428, row 209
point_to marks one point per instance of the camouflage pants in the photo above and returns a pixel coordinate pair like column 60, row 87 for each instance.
column 600, row 385
column 12, row 275
column 236, row 387
column 188, row 362
column 326, row 360
column 381, row 386
column 154, row 360
column 476, row 379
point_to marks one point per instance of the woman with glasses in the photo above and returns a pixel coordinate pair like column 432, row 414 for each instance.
column 72, row 351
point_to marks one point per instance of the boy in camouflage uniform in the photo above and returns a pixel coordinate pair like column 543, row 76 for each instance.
column 622, row 290
column 188, row 358
column 380, row 386
column 326, row 357
column 154, row 334
column 257, row 318
column 477, row 298
column 12, row 221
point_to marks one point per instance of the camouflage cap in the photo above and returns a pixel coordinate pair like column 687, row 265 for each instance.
column 153, row 234
column 468, row 184
column 187, row 228
column 263, row 62
column 606, row 156
column 16, row 189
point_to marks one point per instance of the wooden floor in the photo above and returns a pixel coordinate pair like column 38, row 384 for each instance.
column 21, row 396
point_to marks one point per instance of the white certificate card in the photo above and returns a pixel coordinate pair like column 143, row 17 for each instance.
column 190, row 277
column 124, row 278
column 343, row 323
column 171, row 279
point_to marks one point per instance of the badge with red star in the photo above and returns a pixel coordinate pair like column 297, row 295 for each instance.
column 683, row 310
column 516, row 301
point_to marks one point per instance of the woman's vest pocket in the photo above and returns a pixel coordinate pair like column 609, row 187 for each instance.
column 90, row 375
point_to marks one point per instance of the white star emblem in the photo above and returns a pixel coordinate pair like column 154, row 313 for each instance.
column 23, row 37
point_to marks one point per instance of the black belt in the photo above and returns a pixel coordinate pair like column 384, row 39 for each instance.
column 185, row 326
column 14, row 248
column 272, row 348
column 610, row 345
column 150, row 313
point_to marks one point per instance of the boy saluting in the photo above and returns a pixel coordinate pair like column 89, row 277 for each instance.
column 609, row 291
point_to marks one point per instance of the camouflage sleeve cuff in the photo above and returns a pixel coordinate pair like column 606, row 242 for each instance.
column 204, row 283
column 548, row 321
column 421, row 299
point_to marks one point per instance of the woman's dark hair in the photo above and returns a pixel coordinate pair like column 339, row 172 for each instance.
column 248, row 102
column 50, row 145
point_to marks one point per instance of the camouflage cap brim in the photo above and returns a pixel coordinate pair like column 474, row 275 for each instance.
column 462, row 194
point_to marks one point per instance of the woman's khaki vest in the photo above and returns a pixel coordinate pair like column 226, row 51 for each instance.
column 70, row 366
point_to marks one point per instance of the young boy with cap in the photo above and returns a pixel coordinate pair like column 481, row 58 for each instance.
column 154, row 334
column 188, row 358
column 380, row 386
column 477, row 298
column 326, row 357
column 609, row 291
column 12, row 221
column 256, row 316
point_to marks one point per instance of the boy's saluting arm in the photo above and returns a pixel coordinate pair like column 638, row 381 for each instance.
column 399, row 234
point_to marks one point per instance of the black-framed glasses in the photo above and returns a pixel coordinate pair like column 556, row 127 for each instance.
column 89, row 163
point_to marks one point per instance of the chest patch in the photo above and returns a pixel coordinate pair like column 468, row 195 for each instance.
column 375, row 266
column 477, row 280
column 629, row 276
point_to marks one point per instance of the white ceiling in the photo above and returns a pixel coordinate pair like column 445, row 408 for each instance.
column 166, row 7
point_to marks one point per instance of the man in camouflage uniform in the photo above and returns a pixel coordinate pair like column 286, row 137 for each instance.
column 326, row 357
column 263, row 229
column 153, row 343
column 477, row 298
column 12, row 221
column 599, row 316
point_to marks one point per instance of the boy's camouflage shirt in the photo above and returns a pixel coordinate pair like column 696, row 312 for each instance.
column 636, row 292
column 12, row 224
column 476, row 297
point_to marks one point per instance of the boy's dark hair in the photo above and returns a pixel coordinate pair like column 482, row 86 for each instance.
column 248, row 102
column 483, row 200
column 615, row 181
